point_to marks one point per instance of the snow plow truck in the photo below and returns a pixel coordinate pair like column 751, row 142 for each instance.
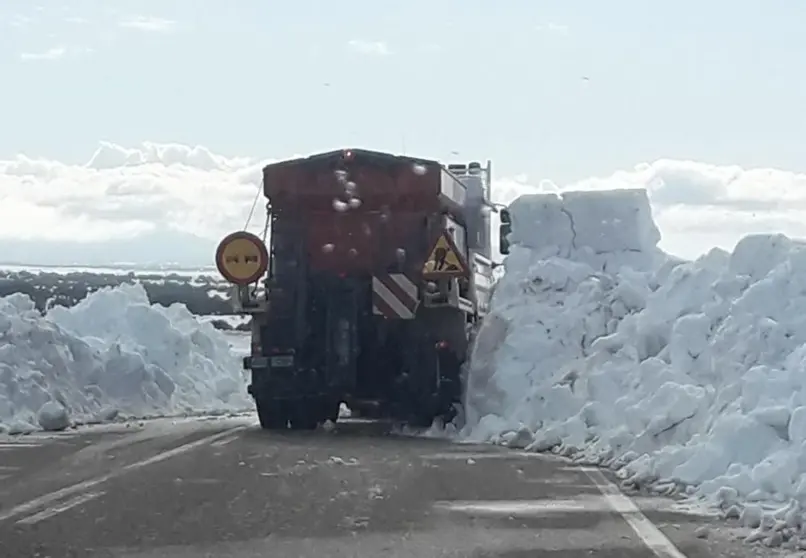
column 376, row 271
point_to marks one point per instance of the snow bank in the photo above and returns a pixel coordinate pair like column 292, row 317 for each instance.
column 114, row 350
column 674, row 373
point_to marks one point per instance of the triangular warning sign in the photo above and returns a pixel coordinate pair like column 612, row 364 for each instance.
column 445, row 260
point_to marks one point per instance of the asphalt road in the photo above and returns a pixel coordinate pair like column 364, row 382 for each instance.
column 224, row 488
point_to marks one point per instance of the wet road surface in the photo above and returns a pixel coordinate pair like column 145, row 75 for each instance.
column 224, row 488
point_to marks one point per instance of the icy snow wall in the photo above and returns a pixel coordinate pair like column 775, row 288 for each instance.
column 675, row 373
column 578, row 263
column 114, row 350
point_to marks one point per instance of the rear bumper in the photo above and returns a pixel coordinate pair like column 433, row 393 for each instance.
column 279, row 362
column 284, row 382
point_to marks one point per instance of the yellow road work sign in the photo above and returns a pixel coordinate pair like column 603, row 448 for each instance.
column 445, row 260
column 242, row 258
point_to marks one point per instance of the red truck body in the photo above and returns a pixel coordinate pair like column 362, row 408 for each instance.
column 400, row 208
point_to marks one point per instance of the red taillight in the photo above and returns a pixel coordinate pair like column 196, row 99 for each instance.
column 442, row 345
column 342, row 275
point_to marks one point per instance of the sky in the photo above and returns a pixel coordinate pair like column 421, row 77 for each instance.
column 121, row 120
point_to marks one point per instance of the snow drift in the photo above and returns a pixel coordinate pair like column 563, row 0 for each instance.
column 677, row 374
column 113, row 351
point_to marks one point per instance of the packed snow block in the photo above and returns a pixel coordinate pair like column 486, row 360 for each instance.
column 612, row 221
column 599, row 222
column 540, row 224
column 52, row 417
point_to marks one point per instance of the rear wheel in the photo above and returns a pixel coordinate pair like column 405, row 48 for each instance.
column 271, row 414
column 330, row 410
column 306, row 414
column 441, row 403
column 303, row 414
column 422, row 419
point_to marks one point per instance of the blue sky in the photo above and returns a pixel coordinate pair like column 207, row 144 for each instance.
column 718, row 81
column 700, row 103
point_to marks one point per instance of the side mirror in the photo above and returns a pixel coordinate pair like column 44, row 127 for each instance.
column 503, row 231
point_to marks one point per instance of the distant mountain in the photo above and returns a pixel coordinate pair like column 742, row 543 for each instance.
column 157, row 248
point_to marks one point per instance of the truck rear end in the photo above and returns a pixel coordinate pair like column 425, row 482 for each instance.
column 352, row 313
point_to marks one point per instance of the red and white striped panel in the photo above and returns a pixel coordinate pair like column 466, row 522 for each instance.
column 394, row 296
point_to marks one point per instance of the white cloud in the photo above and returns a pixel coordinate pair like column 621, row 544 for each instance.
column 555, row 28
column 19, row 21
column 149, row 24
column 375, row 48
column 155, row 192
column 54, row 53
column 168, row 201
column 697, row 205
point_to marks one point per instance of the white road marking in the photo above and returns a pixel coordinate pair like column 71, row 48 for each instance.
column 520, row 508
column 644, row 529
column 223, row 442
column 465, row 455
column 612, row 499
column 55, row 510
column 15, row 445
column 83, row 486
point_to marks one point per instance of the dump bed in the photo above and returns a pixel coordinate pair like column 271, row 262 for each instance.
column 362, row 211
column 310, row 184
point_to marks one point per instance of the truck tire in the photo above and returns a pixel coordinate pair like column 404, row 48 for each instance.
column 330, row 410
column 271, row 414
column 423, row 417
column 423, row 410
column 422, row 420
column 305, row 415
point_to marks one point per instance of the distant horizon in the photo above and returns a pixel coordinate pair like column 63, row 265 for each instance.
column 168, row 267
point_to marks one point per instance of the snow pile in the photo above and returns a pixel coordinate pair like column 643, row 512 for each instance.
column 113, row 351
column 677, row 374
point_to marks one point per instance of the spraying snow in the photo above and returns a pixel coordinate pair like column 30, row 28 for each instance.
column 677, row 374
column 113, row 351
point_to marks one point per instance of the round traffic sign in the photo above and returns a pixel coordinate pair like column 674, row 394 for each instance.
column 242, row 258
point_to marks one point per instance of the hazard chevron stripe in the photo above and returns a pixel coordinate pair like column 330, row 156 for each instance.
column 394, row 296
